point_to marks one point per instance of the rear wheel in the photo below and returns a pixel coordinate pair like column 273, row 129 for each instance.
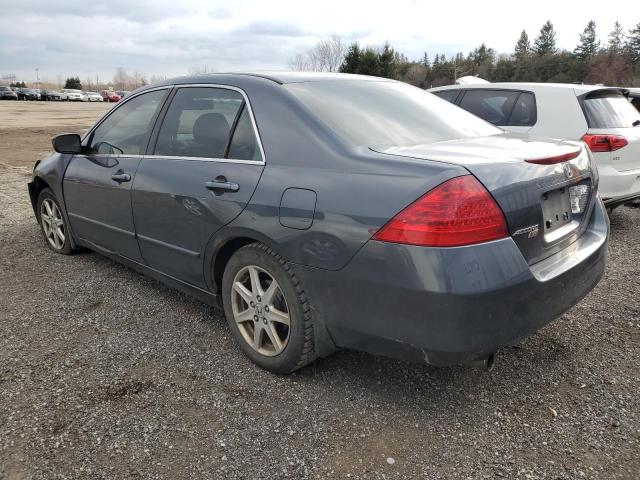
column 52, row 223
column 267, row 310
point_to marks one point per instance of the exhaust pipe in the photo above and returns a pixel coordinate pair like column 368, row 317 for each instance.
column 485, row 363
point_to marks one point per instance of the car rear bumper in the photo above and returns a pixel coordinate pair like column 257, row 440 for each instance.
column 450, row 305
column 617, row 187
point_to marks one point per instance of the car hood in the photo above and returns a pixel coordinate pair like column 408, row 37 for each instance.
column 505, row 147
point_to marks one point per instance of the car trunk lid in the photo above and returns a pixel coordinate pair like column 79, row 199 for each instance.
column 546, row 189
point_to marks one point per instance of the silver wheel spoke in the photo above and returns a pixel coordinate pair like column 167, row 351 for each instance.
column 267, row 297
column 59, row 234
column 246, row 316
column 257, row 336
column 275, row 339
column 246, row 295
column 47, row 205
column 255, row 281
column 277, row 316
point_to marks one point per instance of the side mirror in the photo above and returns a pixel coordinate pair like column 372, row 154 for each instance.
column 67, row 143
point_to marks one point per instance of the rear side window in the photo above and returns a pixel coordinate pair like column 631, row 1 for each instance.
column 244, row 144
column 494, row 106
column 198, row 122
column 524, row 111
column 610, row 110
column 448, row 95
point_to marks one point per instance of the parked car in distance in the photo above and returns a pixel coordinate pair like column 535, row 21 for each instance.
column 7, row 94
column 599, row 116
column 28, row 94
column 72, row 95
column 328, row 210
column 50, row 95
column 122, row 93
column 110, row 96
column 93, row 96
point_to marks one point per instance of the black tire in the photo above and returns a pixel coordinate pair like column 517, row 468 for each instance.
column 299, row 350
column 47, row 195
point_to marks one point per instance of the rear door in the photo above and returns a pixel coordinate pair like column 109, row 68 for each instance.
column 610, row 113
column 201, row 172
column 97, row 184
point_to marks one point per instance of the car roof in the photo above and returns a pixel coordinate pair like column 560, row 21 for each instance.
column 277, row 77
column 534, row 86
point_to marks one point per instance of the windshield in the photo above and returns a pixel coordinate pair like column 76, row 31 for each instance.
column 384, row 113
column 611, row 110
column 5, row 89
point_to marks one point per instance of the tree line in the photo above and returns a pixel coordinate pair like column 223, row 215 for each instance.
column 615, row 61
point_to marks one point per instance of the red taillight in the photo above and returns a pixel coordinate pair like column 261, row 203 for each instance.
column 554, row 159
column 604, row 143
column 457, row 212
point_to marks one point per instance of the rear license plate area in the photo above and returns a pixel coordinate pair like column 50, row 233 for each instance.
column 556, row 209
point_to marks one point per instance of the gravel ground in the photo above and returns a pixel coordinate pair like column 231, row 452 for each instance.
column 107, row 374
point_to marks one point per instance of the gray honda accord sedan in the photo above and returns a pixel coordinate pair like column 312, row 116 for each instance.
column 326, row 211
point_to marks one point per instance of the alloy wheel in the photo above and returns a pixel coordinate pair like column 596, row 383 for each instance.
column 260, row 310
column 52, row 223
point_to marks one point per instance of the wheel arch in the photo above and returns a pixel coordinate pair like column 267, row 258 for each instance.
column 35, row 187
column 228, row 241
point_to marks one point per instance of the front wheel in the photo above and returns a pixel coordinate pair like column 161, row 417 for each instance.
column 52, row 223
column 267, row 310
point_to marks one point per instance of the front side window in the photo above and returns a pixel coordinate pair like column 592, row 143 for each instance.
column 198, row 122
column 494, row 106
column 126, row 130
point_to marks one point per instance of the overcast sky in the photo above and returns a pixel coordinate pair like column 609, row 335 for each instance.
column 170, row 37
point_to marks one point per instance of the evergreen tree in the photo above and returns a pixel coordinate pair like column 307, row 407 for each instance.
column 589, row 44
column 633, row 45
column 369, row 63
column 545, row 43
column 425, row 61
column 523, row 47
column 351, row 62
column 616, row 39
column 386, row 61
column 73, row 82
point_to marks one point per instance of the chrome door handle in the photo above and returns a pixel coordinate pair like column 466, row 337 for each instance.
column 222, row 186
column 121, row 177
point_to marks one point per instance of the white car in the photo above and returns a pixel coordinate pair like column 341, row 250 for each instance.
column 93, row 96
column 72, row 95
column 600, row 116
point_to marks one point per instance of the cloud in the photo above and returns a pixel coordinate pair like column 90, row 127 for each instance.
column 270, row 29
column 164, row 37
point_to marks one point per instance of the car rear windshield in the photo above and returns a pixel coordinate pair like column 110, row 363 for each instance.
column 385, row 113
column 610, row 110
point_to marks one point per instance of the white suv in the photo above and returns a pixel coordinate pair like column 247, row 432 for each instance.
column 602, row 117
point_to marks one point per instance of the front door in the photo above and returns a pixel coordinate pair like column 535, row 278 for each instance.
column 97, row 184
column 203, row 171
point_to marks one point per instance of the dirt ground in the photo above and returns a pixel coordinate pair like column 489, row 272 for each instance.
column 26, row 128
column 106, row 374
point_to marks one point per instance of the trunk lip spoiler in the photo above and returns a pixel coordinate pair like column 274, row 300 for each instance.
column 554, row 159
